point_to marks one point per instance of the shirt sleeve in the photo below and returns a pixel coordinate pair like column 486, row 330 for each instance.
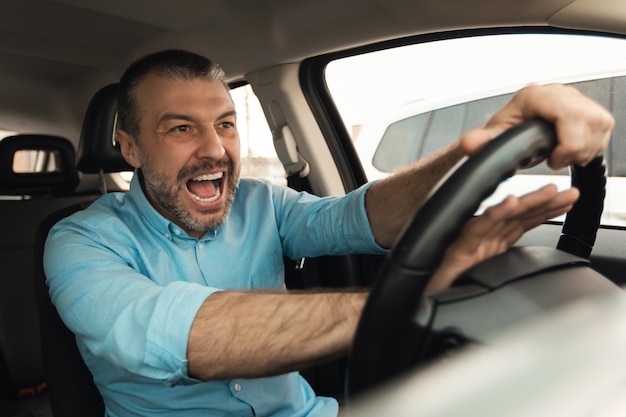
column 312, row 226
column 117, row 313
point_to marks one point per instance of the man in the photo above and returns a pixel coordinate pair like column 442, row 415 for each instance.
column 178, row 302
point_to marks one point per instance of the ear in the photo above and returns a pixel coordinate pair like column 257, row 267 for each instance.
column 129, row 148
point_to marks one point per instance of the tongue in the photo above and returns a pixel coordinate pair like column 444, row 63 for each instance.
column 203, row 189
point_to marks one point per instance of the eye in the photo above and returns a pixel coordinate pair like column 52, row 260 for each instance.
column 180, row 129
column 181, row 132
column 227, row 125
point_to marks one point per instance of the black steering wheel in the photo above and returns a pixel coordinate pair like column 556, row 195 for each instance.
column 401, row 328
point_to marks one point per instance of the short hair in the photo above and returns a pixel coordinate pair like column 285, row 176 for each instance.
column 171, row 63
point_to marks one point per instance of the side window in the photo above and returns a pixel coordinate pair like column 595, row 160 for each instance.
column 441, row 89
column 258, row 156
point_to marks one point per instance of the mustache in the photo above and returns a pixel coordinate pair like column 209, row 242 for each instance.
column 196, row 169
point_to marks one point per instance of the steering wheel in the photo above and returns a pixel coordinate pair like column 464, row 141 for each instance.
column 401, row 328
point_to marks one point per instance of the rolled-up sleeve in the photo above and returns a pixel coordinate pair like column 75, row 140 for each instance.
column 312, row 226
column 118, row 313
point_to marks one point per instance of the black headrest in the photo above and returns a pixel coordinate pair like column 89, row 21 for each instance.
column 97, row 150
column 58, row 177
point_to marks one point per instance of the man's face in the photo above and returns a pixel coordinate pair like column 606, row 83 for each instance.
column 188, row 150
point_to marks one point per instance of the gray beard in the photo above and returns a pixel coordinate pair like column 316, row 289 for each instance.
column 165, row 194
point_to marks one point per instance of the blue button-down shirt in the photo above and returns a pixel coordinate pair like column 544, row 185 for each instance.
column 129, row 283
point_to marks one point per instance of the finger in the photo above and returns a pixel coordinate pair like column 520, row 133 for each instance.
column 506, row 222
column 561, row 203
column 513, row 231
column 497, row 229
column 580, row 141
column 531, row 210
column 582, row 125
column 546, row 198
column 513, row 206
column 546, row 205
column 492, row 221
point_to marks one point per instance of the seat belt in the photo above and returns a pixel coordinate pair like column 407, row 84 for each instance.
column 299, row 183
column 297, row 170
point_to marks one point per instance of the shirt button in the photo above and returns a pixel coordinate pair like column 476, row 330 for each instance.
column 238, row 387
column 200, row 246
column 177, row 231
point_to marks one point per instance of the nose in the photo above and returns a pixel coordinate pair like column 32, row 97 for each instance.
column 210, row 145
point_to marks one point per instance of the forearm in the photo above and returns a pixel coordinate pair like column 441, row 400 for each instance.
column 392, row 202
column 246, row 335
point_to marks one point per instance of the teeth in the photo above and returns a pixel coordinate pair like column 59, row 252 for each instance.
column 207, row 200
column 208, row 177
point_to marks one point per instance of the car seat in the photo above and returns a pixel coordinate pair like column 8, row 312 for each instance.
column 70, row 383
column 37, row 176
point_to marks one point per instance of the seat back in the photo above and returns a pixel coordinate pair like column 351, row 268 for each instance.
column 98, row 151
column 71, row 388
column 70, row 383
column 38, row 175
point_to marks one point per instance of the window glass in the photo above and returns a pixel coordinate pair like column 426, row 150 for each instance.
column 35, row 161
column 258, row 156
column 402, row 104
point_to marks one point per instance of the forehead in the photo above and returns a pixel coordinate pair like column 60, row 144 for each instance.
column 156, row 94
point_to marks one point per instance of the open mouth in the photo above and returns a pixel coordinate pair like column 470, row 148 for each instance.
column 206, row 188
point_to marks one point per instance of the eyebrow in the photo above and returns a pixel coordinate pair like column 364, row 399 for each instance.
column 176, row 116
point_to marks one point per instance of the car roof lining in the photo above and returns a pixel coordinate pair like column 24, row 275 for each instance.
column 114, row 32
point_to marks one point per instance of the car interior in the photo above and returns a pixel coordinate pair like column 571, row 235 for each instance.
column 60, row 62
